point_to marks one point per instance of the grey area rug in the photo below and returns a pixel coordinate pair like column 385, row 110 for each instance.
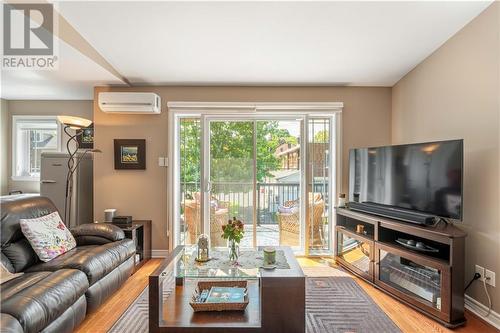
column 333, row 305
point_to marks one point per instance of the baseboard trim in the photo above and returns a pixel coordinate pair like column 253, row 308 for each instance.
column 159, row 253
column 479, row 310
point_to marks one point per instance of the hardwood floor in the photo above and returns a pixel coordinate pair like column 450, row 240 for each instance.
column 408, row 320
column 112, row 309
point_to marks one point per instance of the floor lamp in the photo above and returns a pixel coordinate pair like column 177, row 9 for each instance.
column 76, row 124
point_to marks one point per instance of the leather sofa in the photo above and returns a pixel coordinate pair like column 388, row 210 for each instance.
column 55, row 296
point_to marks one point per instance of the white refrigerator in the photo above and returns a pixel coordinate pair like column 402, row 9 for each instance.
column 53, row 173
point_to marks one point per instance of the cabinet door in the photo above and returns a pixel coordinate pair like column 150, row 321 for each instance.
column 355, row 252
column 419, row 280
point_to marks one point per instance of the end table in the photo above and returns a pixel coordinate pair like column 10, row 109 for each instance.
column 140, row 232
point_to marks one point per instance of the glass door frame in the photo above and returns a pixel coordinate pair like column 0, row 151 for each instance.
column 249, row 112
column 206, row 120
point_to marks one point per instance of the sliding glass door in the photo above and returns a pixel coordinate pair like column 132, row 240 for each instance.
column 229, row 177
column 258, row 169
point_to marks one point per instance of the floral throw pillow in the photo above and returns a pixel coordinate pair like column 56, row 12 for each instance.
column 48, row 236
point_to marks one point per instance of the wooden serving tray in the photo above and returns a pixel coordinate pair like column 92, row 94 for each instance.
column 202, row 285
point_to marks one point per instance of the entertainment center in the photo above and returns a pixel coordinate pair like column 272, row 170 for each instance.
column 431, row 282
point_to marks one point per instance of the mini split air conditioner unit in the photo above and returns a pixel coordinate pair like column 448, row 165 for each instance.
column 130, row 102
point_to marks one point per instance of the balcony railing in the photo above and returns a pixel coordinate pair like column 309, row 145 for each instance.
column 240, row 197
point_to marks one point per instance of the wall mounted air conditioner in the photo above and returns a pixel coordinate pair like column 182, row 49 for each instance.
column 130, row 102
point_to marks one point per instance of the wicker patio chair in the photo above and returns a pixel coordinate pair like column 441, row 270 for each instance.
column 289, row 223
column 218, row 217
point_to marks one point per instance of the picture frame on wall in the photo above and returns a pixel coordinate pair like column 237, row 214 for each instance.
column 86, row 137
column 130, row 154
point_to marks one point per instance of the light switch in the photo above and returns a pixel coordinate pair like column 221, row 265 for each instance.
column 163, row 161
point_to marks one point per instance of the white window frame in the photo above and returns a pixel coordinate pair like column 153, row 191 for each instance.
column 215, row 109
column 31, row 118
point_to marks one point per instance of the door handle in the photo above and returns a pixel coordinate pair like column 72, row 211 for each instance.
column 47, row 181
column 209, row 187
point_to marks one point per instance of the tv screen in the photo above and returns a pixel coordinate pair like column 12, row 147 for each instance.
column 424, row 177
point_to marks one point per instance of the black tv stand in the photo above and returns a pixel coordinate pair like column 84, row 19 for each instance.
column 401, row 214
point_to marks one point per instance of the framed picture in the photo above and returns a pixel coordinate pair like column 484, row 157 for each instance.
column 130, row 154
column 86, row 138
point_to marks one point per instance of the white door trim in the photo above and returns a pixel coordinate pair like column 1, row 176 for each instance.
column 249, row 110
column 225, row 107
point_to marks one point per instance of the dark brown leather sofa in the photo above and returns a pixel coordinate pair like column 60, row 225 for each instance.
column 55, row 296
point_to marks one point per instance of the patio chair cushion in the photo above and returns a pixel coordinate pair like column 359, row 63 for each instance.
column 288, row 209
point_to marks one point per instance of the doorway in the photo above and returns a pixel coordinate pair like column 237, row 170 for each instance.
column 256, row 167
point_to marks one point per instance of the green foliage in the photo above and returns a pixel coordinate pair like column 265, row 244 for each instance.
column 190, row 144
column 321, row 137
column 234, row 208
column 231, row 149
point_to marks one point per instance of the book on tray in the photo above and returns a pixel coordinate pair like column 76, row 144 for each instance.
column 225, row 295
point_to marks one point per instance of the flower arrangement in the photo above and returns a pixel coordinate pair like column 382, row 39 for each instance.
column 233, row 231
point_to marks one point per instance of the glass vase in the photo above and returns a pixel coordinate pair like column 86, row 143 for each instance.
column 234, row 251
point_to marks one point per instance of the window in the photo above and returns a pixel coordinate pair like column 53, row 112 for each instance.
column 31, row 135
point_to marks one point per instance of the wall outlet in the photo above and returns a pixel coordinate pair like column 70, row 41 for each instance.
column 490, row 277
column 480, row 270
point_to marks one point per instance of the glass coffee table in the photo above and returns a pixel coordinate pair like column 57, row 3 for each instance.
column 276, row 297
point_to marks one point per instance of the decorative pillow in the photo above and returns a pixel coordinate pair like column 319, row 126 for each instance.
column 284, row 210
column 288, row 210
column 6, row 275
column 48, row 236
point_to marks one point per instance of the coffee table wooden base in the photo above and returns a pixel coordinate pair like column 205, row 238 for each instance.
column 277, row 305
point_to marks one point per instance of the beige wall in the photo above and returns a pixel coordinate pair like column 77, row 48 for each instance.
column 143, row 194
column 41, row 108
column 454, row 93
column 4, row 144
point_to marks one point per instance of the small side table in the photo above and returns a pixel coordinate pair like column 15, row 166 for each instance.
column 140, row 232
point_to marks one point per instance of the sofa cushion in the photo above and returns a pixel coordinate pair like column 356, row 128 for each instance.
column 37, row 299
column 20, row 254
column 97, row 233
column 96, row 261
column 6, row 262
column 6, row 275
column 21, row 208
column 48, row 236
column 15, row 246
column 9, row 324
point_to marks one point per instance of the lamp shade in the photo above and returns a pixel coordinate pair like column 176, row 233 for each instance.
column 74, row 122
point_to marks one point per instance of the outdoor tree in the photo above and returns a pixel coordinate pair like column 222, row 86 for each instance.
column 231, row 150
column 321, row 137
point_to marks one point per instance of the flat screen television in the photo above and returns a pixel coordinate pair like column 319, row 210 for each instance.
column 424, row 177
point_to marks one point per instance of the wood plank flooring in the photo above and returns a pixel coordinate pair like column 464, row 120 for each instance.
column 104, row 318
column 408, row 320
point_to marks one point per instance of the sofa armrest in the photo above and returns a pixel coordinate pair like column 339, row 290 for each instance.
column 97, row 233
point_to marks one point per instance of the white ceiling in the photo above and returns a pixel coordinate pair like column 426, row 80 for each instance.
column 245, row 43
column 74, row 79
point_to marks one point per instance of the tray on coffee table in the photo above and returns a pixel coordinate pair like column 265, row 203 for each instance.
column 220, row 306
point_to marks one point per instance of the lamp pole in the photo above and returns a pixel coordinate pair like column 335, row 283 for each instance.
column 78, row 124
column 71, row 169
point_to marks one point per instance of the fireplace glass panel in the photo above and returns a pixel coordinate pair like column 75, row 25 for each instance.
column 420, row 282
